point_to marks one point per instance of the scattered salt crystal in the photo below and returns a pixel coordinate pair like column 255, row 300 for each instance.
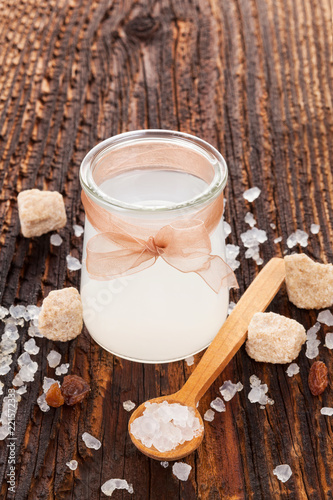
column 73, row 264
column 42, row 403
column 327, row 411
column 278, row 240
column 232, row 252
column 47, row 382
column 72, row 464
column 312, row 350
column 251, row 194
column 3, row 312
column 273, row 226
column 22, row 390
column 5, row 362
column 1, row 388
column 315, row 228
column 231, row 307
column 181, row 470
column 255, row 381
column 62, row 369
column 292, row 369
column 128, row 405
column 4, row 431
column 31, row 347
column 91, row 442
column 258, row 391
column 33, row 330
column 228, row 389
column 189, row 360
column 17, row 380
column 252, row 237
column 259, row 261
column 56, row 240
column 329, row 340
column 164, row 464
column 27, row 372
column 311, row 333
column 78, row 230
column 17, row 312
column 325, row 317
column 53, row 358
column 226, row 229
column 32, row 312
column 7, row 346
column 218, row 405
column 250, row 220
column 283, row 472
column 116, row 484
column 24, row 359
column 209, row 415
column 300, row 237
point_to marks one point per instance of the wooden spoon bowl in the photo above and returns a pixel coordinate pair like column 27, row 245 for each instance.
column 226, row 343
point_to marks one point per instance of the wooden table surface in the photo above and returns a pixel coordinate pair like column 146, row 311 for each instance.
column 252, row 77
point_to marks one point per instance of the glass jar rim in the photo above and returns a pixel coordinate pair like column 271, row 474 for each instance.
column 211, row 192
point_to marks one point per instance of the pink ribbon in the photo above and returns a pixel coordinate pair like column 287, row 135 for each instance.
column 183, row 244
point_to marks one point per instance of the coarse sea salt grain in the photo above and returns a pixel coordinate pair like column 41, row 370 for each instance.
column 329, row 340
column 22, row 390
column 292, row 369
column 226, row 229
column 33, row 330
column 315, row 228
column 189, row 360
column 1, row 388
column 17, row 311
column 278, row 240
column 73, row 264
column 165, row 426
column 5, row 362
column 72, row 464
column 116, row 484
column 250, row 220
column 181, row 470
column 53, row 358
column 300, row 237
column 62, row 369
column 42, row 403
column 312, row 343
column 232, row 252
column 164, row 464
column 56, row 240
column 47, row 382
column 283, row 472
column 90, row 441
column 30, row 347
column 258, row 392
column 228, row 389
column 327, row 411
column 128, row 405
column 78, row 230
column 209, row 415
column 218, row 405
column 251, row 194
column 3, row 312
column 325, row 317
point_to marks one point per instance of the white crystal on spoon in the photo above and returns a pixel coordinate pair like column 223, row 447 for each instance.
column 90, row 441
column 283, row 472
column 53, row 358
column 116, row 484
column 251, row 194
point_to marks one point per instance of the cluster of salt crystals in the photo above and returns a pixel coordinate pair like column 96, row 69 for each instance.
column 231, row 307
column 292, row 369
column 251, row 194
column 62, row 369
column 116, row 484
column 231, row 253
column 189, row 360
column 228, row 389
column 258, row 391
column 315, row 228
column 325, row 317
column 312, row 343
column 250, row 220
column 299, row 237
column 27, row 369
column 226, row 229
column 128, row 405
column 329, row 340
column 251, row 239
column 165, row 426
column 283, row 472
column 56, row 240
column 72, row 464
column 53, row 358
column 218, row 405
column 209, row 415
column 78, row 230
column 90, row 441
column 7, row 404
column 181, row 470
column 73, row 264
column 327, row 411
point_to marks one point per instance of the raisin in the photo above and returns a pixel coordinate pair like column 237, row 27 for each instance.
column 74, row 389
column 54, row 397
column 318, row 380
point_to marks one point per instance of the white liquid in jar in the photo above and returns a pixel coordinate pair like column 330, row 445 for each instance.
column 159, row 314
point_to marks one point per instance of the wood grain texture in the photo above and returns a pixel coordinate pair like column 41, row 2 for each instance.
column 254, row 78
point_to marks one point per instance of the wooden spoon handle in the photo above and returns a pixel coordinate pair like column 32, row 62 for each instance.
column 233, row 332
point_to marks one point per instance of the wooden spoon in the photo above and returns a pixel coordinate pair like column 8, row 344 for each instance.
column 226, row 343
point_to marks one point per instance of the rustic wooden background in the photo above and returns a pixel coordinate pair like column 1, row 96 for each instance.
column 254, row 78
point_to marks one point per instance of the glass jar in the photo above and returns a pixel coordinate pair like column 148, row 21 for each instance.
column 154, row 250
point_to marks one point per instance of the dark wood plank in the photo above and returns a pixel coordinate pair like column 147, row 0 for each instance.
column 254, row 78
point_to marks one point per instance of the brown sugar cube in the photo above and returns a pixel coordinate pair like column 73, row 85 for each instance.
column 273, row 338
column 61, row 315
column 40, row 212
column 309, row 284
